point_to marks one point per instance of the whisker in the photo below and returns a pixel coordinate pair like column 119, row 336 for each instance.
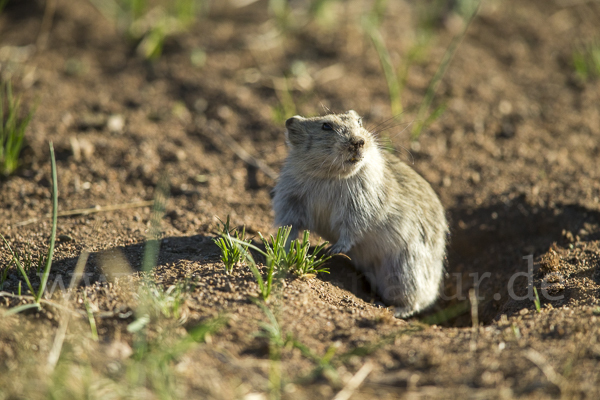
column 393, row 117
column 412, row 158
column 326, row 109
column 402, row 131
column 331, row 165
column 390, row 126
column 379, row 144
column 320, row 166
column 394, row 150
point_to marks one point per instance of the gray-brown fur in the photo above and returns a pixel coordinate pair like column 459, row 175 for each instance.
column 373, row 207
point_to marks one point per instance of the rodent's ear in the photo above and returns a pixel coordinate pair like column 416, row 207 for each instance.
column 354, row 114
column 290, row 121
column 293, row 132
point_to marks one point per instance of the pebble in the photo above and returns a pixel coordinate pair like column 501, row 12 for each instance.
column 115, row 123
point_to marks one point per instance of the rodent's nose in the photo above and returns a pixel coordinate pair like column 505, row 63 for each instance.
column 357, row 143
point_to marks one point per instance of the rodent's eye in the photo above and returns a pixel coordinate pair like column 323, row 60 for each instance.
column 360, row 122
column 327, row 127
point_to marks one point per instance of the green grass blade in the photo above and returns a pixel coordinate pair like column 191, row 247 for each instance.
column 250, row 245
column 91, row 319
column 386, row 64
column 46, row 272
column 259, row 279
column 12, row 130
column 152, row 247
column 139, row 323
column 18, row 264
column 18, row 309
column 199, row 333
column 536, row 301
column 439, row 74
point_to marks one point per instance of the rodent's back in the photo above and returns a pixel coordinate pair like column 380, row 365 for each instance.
column 416, row 196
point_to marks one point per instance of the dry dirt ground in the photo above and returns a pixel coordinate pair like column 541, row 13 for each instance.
column 514, row 158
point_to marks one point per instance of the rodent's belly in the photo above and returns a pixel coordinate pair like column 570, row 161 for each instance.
column 320, row 223
column 323, row 228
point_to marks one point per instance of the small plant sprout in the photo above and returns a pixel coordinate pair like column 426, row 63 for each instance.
column 232, row 252
column 304, row 264
column 278, row 341
column 280, row 9
column 424, row 117
column 394, row 88
column 516, row 331
column 586, row 60
column 90, row 316
column 241, row 246
column 296, row 259
column 281, row 261
column 24, row 262
column 16, row 259
column 168, row 302
column 37, row 297
column 536, row 301
column 150, row 23
column 264, row 285
column 322, row 12
column 12, row 129
column 275, row 251
column 324, row 366
column 3, row 277
column 286, row 106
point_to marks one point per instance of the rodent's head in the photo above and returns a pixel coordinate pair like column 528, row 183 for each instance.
column 333, row 145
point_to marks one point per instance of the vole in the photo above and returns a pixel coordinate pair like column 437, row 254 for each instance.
column 337, row 182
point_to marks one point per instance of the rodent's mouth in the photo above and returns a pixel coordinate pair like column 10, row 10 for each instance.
column 354, row 159
column 355, row 156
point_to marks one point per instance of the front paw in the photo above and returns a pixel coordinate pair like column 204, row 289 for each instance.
column 338, row 248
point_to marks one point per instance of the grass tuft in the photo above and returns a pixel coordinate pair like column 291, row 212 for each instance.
column 150, row 23
column 424, row 117
column 280, row 9
column 17, row 260
column 232, row 254
column 264, row 285
column 302, row 263
column 168, row 302
column 37, row 297
column 586, row 60
column 370, row 25
column 12, row 129
column 286, row 106
column 281, row 261
column 296, row 259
